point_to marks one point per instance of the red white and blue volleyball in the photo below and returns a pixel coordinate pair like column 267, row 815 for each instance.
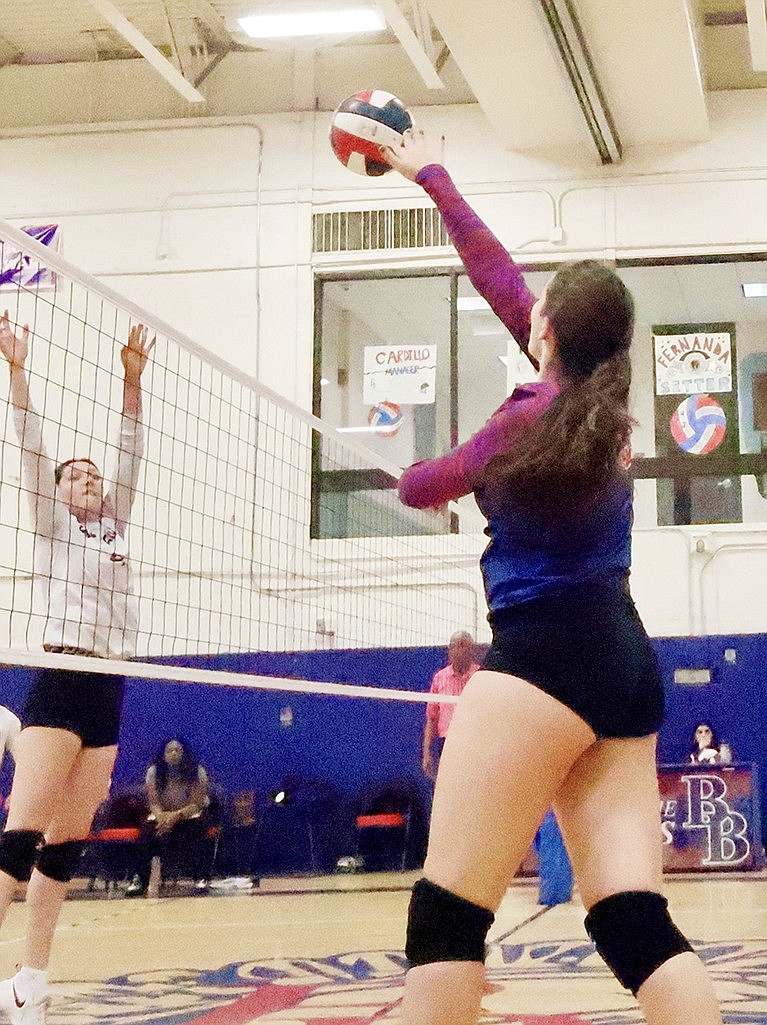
column 362, row 124
column 698, row 425
column 386, row 417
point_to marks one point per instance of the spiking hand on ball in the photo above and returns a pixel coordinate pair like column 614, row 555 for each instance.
column 362, row 125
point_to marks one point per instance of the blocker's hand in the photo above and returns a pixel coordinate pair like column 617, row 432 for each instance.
column 14, row 347
column 415, row 152
column 136, row 353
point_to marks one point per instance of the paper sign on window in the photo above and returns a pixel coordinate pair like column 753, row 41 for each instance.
column 693, row 364
column 400, row 373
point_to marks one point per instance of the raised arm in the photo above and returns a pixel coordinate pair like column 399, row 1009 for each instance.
column 15, row 348
column 38, row 468
column 134, row 357
column 491, row 269
column 432, row 482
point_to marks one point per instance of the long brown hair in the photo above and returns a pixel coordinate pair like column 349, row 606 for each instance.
column 579, row 438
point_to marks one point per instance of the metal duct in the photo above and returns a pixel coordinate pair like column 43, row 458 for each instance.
column 574, row 52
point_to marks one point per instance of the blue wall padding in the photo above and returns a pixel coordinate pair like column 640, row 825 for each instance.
column 734, row 703
column 358, row 743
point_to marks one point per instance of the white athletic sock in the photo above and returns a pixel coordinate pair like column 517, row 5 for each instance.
column 30, row 982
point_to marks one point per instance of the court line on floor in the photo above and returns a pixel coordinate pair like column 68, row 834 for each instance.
column 531, row 918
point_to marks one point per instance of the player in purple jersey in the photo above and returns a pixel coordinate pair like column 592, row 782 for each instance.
column 566, row 708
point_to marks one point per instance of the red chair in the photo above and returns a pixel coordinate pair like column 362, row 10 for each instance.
column 110, row 849
column 114, row 835
column 383, row 817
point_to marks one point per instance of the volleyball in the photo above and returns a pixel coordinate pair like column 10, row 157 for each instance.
column 362, row 124
column 385, row 415
column 698, row 425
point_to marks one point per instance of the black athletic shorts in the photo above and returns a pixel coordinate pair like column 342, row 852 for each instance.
column 588, row 649
column 87, row 704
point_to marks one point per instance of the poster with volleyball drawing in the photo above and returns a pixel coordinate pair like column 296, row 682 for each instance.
column 696, row 421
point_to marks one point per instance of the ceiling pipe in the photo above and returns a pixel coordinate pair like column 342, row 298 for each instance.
column 139, row 42
column 757, row 33
column 400, row 26
column 570, row 41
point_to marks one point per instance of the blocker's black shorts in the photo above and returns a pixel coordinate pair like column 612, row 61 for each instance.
column 87, row 704
column 588, row 649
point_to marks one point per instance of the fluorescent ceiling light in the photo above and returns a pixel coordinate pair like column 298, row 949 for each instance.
column 312, row 23
column 469, row 302
column 754, row 290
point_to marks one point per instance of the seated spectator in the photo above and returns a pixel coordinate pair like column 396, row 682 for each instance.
column 706, row 749
column 177, row 791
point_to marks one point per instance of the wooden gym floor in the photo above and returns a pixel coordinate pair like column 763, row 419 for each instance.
column 328, row 951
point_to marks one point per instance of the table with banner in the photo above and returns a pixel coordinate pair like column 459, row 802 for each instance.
column 710, row 817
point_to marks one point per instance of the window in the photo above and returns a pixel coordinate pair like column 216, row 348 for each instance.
column 413, row 363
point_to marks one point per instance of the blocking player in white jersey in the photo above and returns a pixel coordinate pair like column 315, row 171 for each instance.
column 68, row 744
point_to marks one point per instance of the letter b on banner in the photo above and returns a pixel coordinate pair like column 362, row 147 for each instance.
column 726, row 829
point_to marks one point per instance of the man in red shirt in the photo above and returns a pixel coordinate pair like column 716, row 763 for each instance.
column 452, row 679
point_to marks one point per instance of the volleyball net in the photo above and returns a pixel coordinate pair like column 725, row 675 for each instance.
column 253, row 526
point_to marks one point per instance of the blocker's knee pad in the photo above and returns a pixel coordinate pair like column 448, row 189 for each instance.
column 444, row 927
column 58, row 861
column 634, row 935
column 19, row 850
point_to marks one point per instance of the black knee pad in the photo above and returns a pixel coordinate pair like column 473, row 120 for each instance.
column 19, row 850
column 58, row 861
column 634, row 935
column 444, row 927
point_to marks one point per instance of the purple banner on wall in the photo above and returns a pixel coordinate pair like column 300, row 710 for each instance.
column 19, row 270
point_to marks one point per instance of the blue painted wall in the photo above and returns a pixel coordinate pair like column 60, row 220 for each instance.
column 356, row 743
column 735, row 702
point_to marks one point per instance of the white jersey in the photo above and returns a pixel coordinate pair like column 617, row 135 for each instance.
column 10, row 728
column 83, row 569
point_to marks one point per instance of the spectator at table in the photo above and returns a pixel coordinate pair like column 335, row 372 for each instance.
column 707, row 749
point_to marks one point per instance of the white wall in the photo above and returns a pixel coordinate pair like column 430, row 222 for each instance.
column 208, row 225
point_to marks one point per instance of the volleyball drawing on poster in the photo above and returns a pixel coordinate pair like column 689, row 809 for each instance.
column 402, row 374
column 20, row 270
column 698, row 425
column 385, row 418
column 693, row 364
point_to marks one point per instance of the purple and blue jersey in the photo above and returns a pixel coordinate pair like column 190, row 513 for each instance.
column 536, row 548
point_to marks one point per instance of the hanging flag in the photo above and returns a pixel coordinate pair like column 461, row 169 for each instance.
column 20, row 270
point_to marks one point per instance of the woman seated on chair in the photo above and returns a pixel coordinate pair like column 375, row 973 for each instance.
column 177, row 790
